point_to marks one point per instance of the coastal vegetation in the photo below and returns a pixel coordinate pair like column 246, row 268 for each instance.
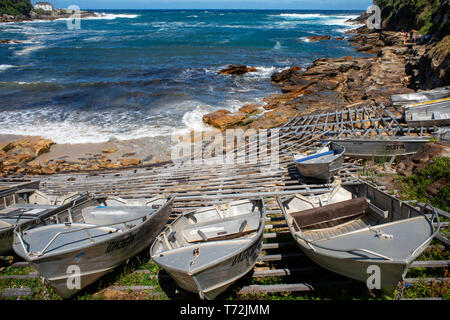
column 426, row 16
column 15, row 7
column 429, row 184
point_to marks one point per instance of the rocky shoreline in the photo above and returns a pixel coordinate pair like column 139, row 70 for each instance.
column 331, row 84
column 401, row 62
column 22, row 155
column 50, row 16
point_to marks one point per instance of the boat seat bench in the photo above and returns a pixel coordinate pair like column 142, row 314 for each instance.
column 346, row 227
column 335, row 212
column 221, row 228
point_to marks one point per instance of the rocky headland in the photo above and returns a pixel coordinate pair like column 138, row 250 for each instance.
column 22, row 10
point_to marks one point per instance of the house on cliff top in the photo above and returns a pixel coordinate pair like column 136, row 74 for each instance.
column 44, row 6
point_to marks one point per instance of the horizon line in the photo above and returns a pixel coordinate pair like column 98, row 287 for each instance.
column 219, row 9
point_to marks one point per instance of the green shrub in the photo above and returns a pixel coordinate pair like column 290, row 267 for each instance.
column 15, row 7
column 415, row 186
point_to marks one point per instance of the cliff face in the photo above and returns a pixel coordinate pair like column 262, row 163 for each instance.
column 15, row 7
column 425, row 16
column 433, row 67
column 430, row 18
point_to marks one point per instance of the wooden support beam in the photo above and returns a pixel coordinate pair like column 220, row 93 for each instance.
column 16, row 293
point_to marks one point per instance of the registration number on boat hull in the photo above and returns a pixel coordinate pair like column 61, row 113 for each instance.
column 119, row 244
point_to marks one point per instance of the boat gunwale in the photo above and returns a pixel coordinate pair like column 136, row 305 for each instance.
column 413, row 255
column 192, row 272
column 390, row 139
column 328, row 162
column 424, row 104
column 26, row 256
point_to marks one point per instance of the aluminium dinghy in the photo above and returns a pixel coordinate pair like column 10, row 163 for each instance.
column 320, row 163
column 352, row 229
column 207, row 250
column 428, row 113
column 418, row 97
column 25, row 207
column 380, row 146
column 98, row 237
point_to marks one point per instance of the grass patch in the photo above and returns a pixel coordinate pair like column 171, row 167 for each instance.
column 415, row 186
column 424, row 289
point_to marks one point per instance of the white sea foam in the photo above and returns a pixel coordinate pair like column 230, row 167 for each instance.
column 262, row 72
column 278, row 45
column 298, row 15
column 4, row 67
column 95, row 39
column 193, row 120
column 28, row 50
column 68, row 132
column 111, row 16
column 81, row 126
column 314, row 15
column 316, row 18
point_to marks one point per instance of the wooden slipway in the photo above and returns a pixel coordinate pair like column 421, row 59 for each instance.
column 200, row 185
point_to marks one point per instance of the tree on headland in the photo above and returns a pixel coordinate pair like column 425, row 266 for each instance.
column 15, row 7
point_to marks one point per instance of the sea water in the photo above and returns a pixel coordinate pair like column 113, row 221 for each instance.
column 134, row 74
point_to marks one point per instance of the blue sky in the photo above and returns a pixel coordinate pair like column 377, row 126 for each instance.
column 216, row 4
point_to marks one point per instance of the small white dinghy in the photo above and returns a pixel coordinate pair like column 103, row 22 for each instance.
column 355, row 230
column 321, row 163
column 97, row 237
column 207, row 250
column 27, row 206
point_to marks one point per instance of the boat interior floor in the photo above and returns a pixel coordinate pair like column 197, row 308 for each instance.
column 18, row 213
column 335, row 219
column 221, row 229
column 346, row 227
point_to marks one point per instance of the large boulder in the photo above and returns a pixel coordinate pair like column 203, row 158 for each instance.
column 251, row 109
column 421, row 159
column 224, row 119
column 15, row 155
column 318, row 38
column 32, row 146
column 237, row 70
column 274, row 118
column 435, row 188
column 285, row 75
column 433, row 67
column 128, row 162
